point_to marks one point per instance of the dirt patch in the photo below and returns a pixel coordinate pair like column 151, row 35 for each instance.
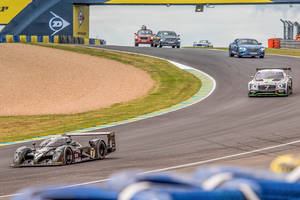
column 37, row 80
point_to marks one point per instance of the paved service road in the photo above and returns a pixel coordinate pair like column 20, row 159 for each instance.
column 226, row 123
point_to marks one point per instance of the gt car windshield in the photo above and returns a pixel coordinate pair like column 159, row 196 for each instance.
column 247, row 42
column 53, row 142
column 268, row 75
column 144, row 32
column 168, row 33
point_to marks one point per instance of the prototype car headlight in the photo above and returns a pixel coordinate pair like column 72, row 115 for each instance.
column 243, row 49
column 56, row 155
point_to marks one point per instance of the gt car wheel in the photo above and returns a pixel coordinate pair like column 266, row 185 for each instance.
column 231, row 54
column 136, row 44
column 68, row 157
column 155, row 45
column 102, row 150
column 261, row 56
column 178, row 46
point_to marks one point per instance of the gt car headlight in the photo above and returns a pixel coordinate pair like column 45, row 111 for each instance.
column 253, row 86
column 243, row 49
column 282, row 85
column 262, row 49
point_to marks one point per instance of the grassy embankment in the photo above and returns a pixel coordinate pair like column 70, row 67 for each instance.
column 172, row 86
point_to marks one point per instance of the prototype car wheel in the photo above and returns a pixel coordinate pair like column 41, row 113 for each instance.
column 68, row 156
column 178, row 46
column 231, row 54
column 101, row 147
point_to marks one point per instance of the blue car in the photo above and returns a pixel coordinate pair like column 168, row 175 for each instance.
column 244, row 47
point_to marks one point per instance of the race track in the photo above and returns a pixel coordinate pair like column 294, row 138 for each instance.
column 226, row 123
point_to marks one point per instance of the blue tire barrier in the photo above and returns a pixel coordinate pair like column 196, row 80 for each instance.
column 51, row 39
column 92, row 41
column 28, row 38
column 2, row 38
column 16, row 38
column 216, row 183
column 40, row 38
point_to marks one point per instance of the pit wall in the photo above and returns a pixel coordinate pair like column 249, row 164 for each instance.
column 63, row 39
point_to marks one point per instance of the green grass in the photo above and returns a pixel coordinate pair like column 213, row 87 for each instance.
column 172, row 86
column 289, row 52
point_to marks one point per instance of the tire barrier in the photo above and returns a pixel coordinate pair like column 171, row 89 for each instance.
column 206, row 183
column 63, row 39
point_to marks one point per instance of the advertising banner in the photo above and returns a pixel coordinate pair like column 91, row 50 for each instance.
column 10, row 8
column 81, row 21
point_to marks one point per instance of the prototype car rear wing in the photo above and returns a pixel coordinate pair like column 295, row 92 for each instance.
column 285, row 68
column 111, row 140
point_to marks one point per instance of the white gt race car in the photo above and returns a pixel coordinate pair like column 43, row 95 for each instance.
column 271, row 82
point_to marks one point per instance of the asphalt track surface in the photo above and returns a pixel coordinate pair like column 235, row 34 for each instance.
column 226, row 123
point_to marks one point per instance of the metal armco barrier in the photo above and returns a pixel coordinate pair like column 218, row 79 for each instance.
column 290, row 44
column 63, row 39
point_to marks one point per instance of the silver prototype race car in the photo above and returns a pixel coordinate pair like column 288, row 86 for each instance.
column 63, row 150
column 271, row 82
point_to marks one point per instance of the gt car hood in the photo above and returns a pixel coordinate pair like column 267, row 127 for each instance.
column 267, row 82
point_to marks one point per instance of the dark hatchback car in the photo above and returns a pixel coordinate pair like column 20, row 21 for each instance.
column 246, row 47
column 167, row 38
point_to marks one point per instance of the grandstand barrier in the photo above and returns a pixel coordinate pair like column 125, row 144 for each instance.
column 63, row 39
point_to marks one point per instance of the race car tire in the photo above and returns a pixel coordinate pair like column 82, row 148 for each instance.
column 160, row 46
column 173, row 47
column 102, row 150
column 155, row 45
column 261, row 56
column 231, row 54
column 68, row 156
column 152, row 45
column 178, row 46
column 136, row 44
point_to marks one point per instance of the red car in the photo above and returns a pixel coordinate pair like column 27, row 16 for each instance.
column 144, row 36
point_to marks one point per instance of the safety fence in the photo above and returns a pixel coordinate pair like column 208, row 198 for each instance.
column 64, row 39
column 207, row 183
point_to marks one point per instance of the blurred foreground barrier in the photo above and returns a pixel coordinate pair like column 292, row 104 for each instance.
column 64, row 39
column 208, row 183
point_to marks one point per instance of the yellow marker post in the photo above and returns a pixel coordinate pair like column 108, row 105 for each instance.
column 56, row 39
column 23, row 38
column 9, row 38
column 34, row 38
column 45, row 39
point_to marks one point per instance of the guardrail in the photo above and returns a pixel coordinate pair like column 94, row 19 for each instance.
column 290, row 44
column 64, row 39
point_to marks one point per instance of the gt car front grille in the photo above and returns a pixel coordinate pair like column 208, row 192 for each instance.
column 252, row 50
column 266, row 87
